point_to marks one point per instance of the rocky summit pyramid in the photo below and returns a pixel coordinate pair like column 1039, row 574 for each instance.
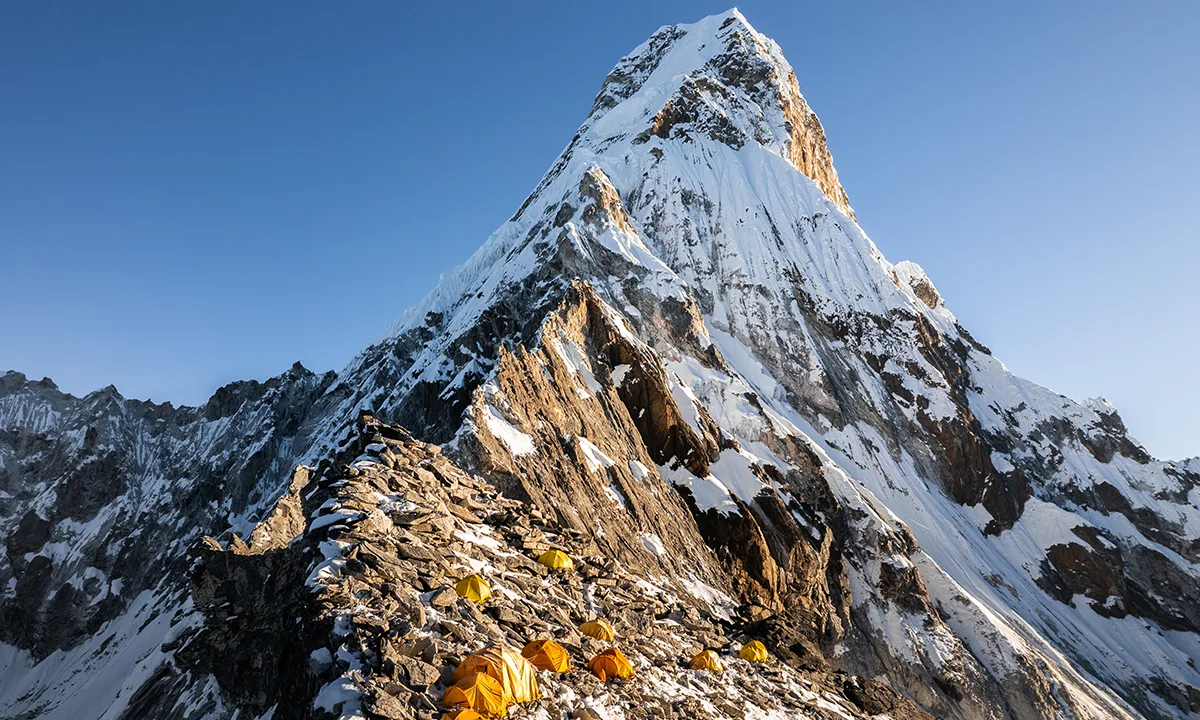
column 684, row 364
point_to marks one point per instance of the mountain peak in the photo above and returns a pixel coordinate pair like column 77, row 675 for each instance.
column 650, row 59
column 683, row 365
column 722, row 79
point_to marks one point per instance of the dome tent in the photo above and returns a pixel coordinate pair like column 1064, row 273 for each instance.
column 598, row 629
column 754, row 651
column 473, row 588
column 478, row 692
column 462, row 714
column 707, row 660
column 517, row 677
column 556, row 560
column 611, row 663
column 547, row 655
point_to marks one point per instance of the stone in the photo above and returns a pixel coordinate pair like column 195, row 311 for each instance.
column 416, row 674
column 381, row 704
column 414, row 552
column 444, row 598
column 463, row 513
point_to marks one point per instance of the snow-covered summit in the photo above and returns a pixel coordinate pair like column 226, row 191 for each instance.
column 718, row 79
column 722, row 78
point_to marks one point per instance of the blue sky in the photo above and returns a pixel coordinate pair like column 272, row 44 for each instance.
column 189, row 197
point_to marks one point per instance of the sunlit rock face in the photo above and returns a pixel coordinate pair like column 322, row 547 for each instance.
column 684, row 363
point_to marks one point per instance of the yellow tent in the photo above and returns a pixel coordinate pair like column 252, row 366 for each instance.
column 599, row 629
column 707, row 660
column 754, row 651
column 611, row 663
column 473, row 588
column 547, row 655
column 517, row 677
column 462, row 714
column 478, row 692
column 556, row 560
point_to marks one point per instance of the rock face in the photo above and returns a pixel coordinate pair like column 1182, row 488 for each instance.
column 682, row 362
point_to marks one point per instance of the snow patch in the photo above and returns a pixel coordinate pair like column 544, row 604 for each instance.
column 654, row 544
column 593, row 456
column 517, row 442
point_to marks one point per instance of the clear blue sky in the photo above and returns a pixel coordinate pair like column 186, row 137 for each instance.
column 194, row 193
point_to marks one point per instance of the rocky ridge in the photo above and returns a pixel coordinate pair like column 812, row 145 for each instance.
column 376, row 629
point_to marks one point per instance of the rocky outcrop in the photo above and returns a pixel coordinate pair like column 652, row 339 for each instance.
column 601, row 414
column 1094, row 570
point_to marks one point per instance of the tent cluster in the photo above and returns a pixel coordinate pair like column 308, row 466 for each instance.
column 487, row 682
column 753, row 651
column 611, row 663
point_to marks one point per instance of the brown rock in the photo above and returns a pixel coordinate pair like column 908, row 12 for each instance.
column 444, row 598
column 380, row 704
column 416, row 674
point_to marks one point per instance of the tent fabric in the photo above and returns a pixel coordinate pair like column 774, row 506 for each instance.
column 473, row 588
column 599, row 629
column 517, row 677
column 611, row 663
column 479, row 692
column 707, row 660
column 462, row 714
column 547, row 655
column 754, row 651
column 556, row 559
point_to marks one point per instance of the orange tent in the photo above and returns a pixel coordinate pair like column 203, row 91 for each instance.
column 517, row 677
column 610, row 664
column 707, row 660
column 547, row 655
column 479, row 692
column 462, row 714
column 599, row 629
